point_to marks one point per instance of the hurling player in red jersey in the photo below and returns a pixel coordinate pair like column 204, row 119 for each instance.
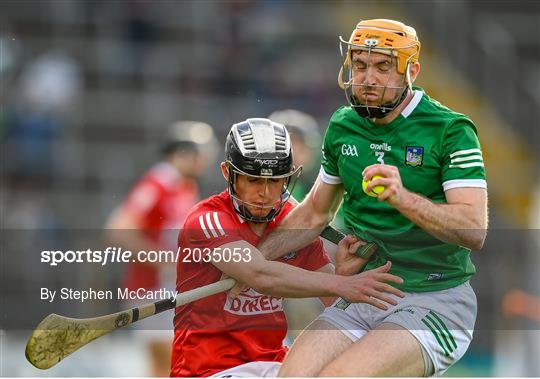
column 150, row 217
column 243, row 336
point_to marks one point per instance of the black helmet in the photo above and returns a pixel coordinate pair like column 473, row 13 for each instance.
column 260, row 148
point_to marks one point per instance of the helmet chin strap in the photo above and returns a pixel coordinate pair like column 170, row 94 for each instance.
column 381, row 111
column 243, row 211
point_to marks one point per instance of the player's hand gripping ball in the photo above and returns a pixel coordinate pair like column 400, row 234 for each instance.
column 376, row 190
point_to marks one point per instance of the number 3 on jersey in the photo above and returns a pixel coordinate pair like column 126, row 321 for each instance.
column 380, row 156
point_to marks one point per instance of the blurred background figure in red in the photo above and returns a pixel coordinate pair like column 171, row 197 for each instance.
column 150, row 217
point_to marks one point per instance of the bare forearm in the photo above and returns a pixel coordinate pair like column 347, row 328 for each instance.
column 327, row 301
column 305, row 222
column 452, row 223
column 283, row 241
column 296, row 231
column 280, row 279
column 277, row 279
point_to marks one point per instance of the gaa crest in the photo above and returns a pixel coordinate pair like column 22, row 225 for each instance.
column 414, row 156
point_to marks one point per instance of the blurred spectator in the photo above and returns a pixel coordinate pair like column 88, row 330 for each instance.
column 28, row 222
column 10, row 51
column 306, row 140
column 150, row 217
column 50, row 83
column 47, row 89
column 140, row 31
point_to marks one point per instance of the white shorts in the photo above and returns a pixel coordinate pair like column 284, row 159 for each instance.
column 251, row 370
column 441, row 321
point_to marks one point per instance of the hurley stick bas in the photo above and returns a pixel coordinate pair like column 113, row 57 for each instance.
column 57, row 336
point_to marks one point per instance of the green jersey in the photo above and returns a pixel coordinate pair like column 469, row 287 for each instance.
column 434, row 149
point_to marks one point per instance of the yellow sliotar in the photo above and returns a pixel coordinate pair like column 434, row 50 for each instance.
column 376, row 190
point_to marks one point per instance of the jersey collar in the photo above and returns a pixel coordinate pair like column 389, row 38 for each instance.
column 406, row 112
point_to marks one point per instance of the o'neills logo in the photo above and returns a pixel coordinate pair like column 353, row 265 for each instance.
column 382, row 146
column 252, row 303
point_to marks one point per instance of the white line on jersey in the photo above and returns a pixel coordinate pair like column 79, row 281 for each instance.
column 467, row 165
column 469, row 158
column 210, row 226
column 463, row 152
column 218, row 224
column 203, row 227
column 206, row 225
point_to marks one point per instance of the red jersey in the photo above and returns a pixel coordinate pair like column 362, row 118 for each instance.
column 163, row 201
column 217, row 333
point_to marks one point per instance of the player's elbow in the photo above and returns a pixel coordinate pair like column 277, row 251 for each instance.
column 479, row 226
column 476, row 239
column 314, row 217
column 479, row 242
column 318, row 222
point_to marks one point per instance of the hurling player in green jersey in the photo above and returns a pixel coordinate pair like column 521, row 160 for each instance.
column 431, row 214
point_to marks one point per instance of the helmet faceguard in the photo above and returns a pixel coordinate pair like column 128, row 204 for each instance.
column 380, row 36
column 260, row 148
